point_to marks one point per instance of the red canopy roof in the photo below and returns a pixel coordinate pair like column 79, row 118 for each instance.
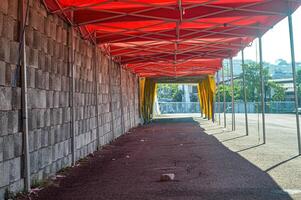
column 172, row 37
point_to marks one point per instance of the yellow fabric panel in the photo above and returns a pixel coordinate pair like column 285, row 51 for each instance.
column 148, row 99
column 141, row 95
column 206, row 92
column 212, row 83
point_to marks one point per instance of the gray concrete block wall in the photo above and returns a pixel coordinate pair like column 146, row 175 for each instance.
column 129, row 84
column 10, row 101
column 49, row 99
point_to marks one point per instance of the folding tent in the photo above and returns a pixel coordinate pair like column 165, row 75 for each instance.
column 155, row 38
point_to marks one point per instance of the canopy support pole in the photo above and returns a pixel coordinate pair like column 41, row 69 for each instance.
column 232, row 94
column 262, row 90
column 219, row 99
column 213, row 108
column 245, row 91
column 24, row 97
column 224, row 98
column 96, row 74
column 208, row 107
column 291, row 33
column 110, row 98
column 72, row 102
column 121, row 103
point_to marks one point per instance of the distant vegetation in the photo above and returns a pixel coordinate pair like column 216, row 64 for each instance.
column 273, row 91
column 169, row 93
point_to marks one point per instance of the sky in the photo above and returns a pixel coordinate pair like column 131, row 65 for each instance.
column 276, row 42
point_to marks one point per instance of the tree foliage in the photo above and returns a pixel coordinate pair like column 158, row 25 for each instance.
column 253, row 86
column 169, row 93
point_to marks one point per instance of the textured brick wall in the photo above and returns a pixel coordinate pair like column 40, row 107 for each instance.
column 49, row 96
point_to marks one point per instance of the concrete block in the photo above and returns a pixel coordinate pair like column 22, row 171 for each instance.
column 8, row 147
column 16, row 98
column 4, row 123
column 4, row 169
column 1, row 149
column 37, row 40
column 2, row 72
column 33, row 58
column 33, row 162
column 39, row 79
column 4, row 6
column 34, row 19
column 50, row 48
column 31, row 77
column 46, row 78
column 51, row 136
column 14, row 52
column 14, row 118
column 40, row 161
column 56, row 99
column 10, row 75
column 37, row 139
column 40, row 118
column 1, row 23
column 10, row 31
column 17, row 186
column 29, row 37
column 41, row 99
column 32, row 119
column 47, row 117
column 5, row 98
column 18, row 144
column 49, row 99
column 4, row 46
column 13, row 9
column 47, row 27
column 44, row 138
column 14, row 169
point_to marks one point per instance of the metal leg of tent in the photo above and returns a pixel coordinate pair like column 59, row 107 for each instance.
column 208, row 107
column 245, row 91
column 213, row 109
column 232, row 94
column 219, row 99
column 291, row 33
column 262, row 90
column 24, row 98
column 224, row 98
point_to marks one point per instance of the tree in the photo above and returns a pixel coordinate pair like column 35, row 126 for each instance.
column 253, row 86
column 279, row 92
column 169, row 92
column 281, row 62
column 228, row 92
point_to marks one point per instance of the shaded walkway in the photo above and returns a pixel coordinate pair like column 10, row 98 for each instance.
column 130, row 169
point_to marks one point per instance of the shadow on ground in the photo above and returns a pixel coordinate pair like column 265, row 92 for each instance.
column 130, row 168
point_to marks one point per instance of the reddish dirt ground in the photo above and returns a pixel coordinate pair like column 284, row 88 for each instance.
column 130, row 169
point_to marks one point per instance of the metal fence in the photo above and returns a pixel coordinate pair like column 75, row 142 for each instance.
column 253, row 107
column 179, row 107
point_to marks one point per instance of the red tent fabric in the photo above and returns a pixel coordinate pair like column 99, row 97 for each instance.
column 172, row 38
